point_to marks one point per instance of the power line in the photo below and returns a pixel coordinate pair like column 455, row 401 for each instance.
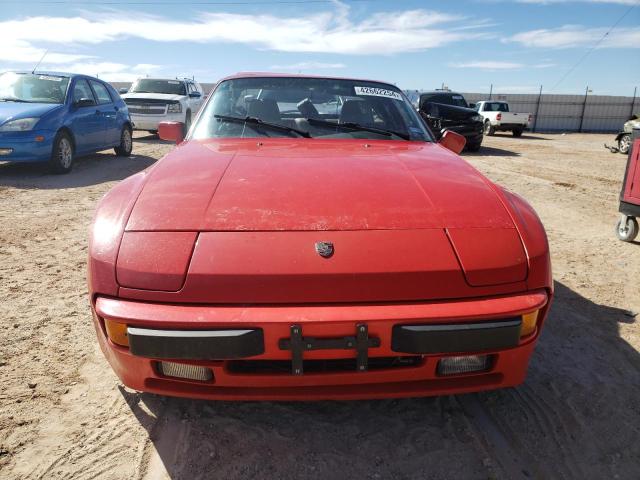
column 174, row 2
column 586, row 54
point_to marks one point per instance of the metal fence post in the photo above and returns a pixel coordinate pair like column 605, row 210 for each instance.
column 535, row 119
column 584, row 107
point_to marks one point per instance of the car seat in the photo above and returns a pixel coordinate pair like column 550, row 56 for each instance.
column 266, row 110
column 356, row 111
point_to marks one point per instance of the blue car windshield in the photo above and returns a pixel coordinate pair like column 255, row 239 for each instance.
column 33, row 88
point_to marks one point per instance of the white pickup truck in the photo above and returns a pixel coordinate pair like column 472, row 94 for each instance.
column 154, row 100
column 497, row 117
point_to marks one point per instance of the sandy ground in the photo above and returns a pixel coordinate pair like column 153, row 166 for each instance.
column 63, row 413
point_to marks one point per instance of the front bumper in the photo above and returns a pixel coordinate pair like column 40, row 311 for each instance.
column 23, row 146
column 324, row 327
column 151, row 122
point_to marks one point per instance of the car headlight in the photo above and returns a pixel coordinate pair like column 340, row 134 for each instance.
column 20, row 125
column 174, row 108
column 477, row 118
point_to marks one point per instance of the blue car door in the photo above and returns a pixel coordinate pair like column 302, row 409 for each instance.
column 86, row 120
column 109, row 112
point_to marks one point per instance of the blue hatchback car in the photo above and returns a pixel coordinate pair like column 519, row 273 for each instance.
column 55, row 117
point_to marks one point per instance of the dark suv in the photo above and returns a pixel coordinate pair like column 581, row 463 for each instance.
column 445, row 110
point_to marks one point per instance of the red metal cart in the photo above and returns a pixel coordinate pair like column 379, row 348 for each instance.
column 627, row 226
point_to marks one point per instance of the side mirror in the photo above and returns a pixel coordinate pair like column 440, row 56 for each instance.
column 472, row 105
column 171, row 131
column 123, row 90
column 195, row 95
column 453, row 141
column 84, row 102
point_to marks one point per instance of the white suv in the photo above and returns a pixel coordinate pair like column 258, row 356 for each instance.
column 154, row 100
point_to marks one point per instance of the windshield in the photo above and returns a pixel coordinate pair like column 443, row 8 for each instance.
column 454, row 99
column 309, row 107
column 33, row 88
column 150, row 85
column 496, row 107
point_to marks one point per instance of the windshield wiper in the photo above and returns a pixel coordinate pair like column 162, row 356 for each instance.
column 13, row 99
column 257, row 121
column 357, row 126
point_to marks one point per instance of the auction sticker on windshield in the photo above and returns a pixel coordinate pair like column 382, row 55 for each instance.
column 48, row 77
column 377, row 92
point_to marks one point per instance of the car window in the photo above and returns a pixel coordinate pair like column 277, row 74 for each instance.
column 101, row 92
column 445, row 98
column 496, row 107
column 82, row 90
column 150, row 85
column 319, row 107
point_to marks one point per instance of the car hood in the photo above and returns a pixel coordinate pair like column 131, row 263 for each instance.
column 314, row 185
column 17, row 110
column 458, row 112
column 155, row 96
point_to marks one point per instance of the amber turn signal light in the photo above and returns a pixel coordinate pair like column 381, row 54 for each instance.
column 117, row 332
column 529, row 322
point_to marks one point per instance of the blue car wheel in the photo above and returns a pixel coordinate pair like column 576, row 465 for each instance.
column 62, row 154
column 126, row 142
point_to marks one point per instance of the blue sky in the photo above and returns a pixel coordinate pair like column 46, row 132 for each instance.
column 467, row 45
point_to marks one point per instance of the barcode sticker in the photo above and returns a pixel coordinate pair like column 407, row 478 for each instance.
column 378, row 92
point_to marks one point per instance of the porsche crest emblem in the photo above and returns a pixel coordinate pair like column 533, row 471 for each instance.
column 324, row 249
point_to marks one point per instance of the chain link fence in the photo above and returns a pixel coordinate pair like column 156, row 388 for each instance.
column 565, row 113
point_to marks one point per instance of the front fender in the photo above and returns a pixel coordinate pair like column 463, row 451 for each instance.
column 106, row 233
column 534, row 239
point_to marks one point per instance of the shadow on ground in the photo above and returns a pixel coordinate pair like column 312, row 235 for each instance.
column 151, row 138
column 576, row 416
column 91, row 170
column 524, row 136
column 492, row 152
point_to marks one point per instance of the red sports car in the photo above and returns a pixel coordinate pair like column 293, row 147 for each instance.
column 309, row 240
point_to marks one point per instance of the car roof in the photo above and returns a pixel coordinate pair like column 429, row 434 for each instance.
column 297, row 75
column 440, row 92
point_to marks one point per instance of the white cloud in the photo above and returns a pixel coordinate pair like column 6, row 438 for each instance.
column 496, row 65
column 111, row 72
column 327, row 32
column 305, row 66
column 570, row 36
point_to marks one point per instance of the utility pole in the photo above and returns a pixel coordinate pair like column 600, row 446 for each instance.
column 490, row 91
column 535, row 120
column 633, row 102
column 584, row 107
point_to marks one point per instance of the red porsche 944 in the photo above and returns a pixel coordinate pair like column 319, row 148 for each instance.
column 308, row 240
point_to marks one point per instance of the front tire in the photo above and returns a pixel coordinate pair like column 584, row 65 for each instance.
column 488, row 128
column 624, row 143
column 126, row 143
column 517, row 132
column 627, row 231
column 473, row 147
column 62, row 155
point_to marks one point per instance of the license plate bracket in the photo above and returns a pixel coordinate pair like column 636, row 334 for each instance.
column 298, row 344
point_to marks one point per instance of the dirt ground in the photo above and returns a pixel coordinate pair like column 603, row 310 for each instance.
column 63, row 413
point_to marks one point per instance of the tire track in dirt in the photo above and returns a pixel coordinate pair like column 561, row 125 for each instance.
column 512, row 459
